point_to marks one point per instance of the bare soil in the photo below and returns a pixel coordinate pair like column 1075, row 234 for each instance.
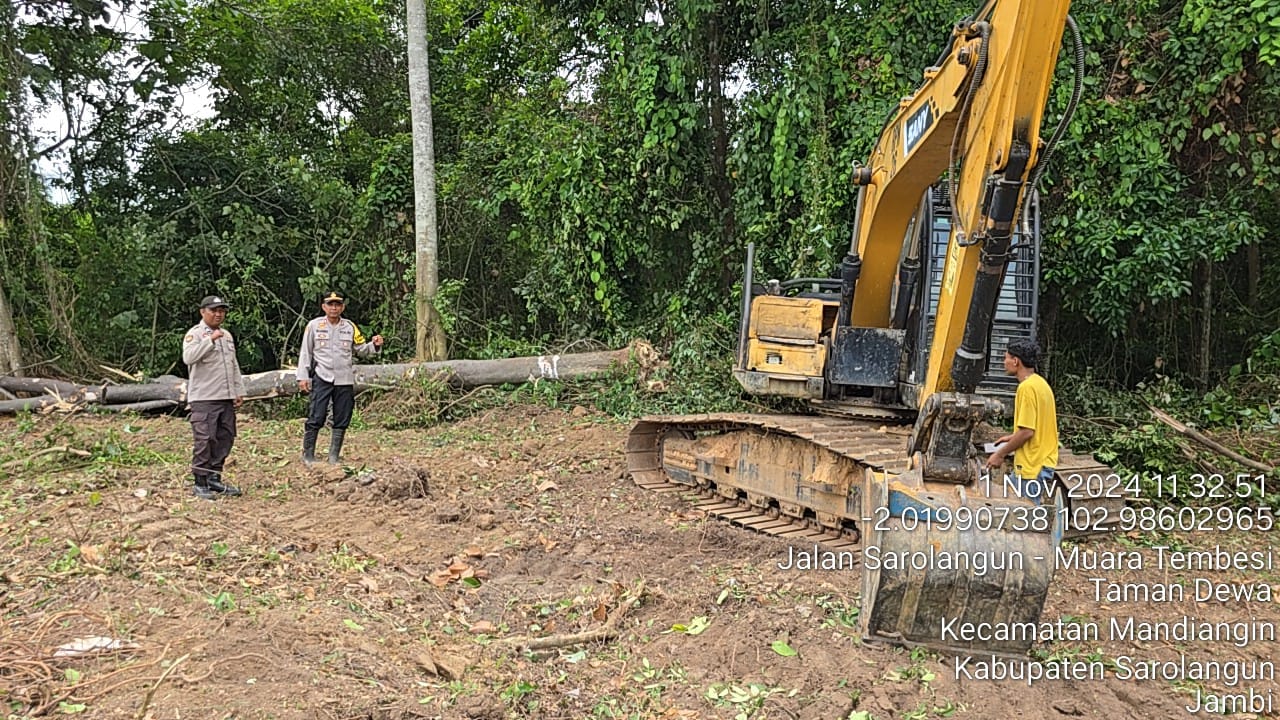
column 406, row 584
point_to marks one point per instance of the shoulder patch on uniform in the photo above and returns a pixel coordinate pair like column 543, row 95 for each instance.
column 189, row 337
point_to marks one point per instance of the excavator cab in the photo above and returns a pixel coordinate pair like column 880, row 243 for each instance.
column 787, row 344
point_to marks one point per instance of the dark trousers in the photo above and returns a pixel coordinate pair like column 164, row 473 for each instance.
column 343, row 398
column 213, row 423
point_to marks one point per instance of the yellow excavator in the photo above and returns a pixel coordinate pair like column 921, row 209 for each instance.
column 901, row 356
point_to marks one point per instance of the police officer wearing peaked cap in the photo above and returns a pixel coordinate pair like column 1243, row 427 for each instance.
column 215, row 388
column 329, row 346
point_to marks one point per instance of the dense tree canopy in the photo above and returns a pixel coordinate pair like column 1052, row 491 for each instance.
column 601, row 169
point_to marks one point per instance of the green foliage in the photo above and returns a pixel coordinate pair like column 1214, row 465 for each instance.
column 816, row 112
column 696, row 376
column 1119, row 428
column 222, row 602
column 1168, row 172
column 110, row 448
column 1102, row 422
column 601, row 168
column 1245, row 401
column 603, row 195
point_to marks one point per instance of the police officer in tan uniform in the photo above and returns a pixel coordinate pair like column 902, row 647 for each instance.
column 329, row 345
column 215, row 388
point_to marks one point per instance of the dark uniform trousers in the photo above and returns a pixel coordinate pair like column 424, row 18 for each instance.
column 323, row 392
column 213, row 422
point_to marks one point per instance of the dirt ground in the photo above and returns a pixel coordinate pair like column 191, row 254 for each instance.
column 407, row 583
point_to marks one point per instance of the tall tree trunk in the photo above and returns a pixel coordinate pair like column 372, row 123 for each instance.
column 12, row 164
column 1206, row 324
column 720, row 149
column 10, row 349
column 429, row 340
column 1254, row 257
column 1049, row 307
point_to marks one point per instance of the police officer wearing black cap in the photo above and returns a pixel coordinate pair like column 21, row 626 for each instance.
column 329, row 345
column 215, row 388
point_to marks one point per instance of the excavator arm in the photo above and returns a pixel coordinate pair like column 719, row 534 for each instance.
column 978, row 116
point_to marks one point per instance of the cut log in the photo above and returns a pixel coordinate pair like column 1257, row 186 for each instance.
column 165, row 387
column 13, row 407
column 471, row 373
column 461, row 373
column 145, row 406
column 39, row 386
column 168, row 391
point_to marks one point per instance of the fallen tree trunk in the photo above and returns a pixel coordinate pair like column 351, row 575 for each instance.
column 138, row 407
column 462, row 373
column 36, row 385
column 169, row 391
column 12, row 407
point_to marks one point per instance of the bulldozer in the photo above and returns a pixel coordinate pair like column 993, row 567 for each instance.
column 899, row 360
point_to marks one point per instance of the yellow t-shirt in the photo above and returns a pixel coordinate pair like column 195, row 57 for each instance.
column 1034, row 408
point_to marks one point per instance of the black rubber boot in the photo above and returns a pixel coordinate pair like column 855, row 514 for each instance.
column 202, row 489
column 335, row 445
column 215, row 484
column 309, row 446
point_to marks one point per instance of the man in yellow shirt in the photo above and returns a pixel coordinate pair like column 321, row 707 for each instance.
column 1034, row 442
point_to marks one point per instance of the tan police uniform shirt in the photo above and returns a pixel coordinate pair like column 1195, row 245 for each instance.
column 331, row 348
column 214, row 370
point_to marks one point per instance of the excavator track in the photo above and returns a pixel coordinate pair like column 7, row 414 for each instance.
column 878, row 447
column 868, row 441
column 846, row 486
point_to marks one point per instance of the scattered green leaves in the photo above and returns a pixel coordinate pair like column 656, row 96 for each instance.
column 695, row 627
column 783, row 649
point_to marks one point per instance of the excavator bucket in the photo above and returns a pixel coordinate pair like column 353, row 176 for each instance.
column 955, row 567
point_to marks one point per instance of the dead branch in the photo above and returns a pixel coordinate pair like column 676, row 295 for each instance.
column 445, row 409
column 17, row 372
column 119, row 373
column 146, row 701
column 1193, row 458
column 607, row 631
column 213, row 666
column 1208, row 442
column 138, row 406
column 47, row 451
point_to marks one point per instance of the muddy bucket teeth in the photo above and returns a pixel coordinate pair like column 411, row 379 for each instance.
column 955, row 571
